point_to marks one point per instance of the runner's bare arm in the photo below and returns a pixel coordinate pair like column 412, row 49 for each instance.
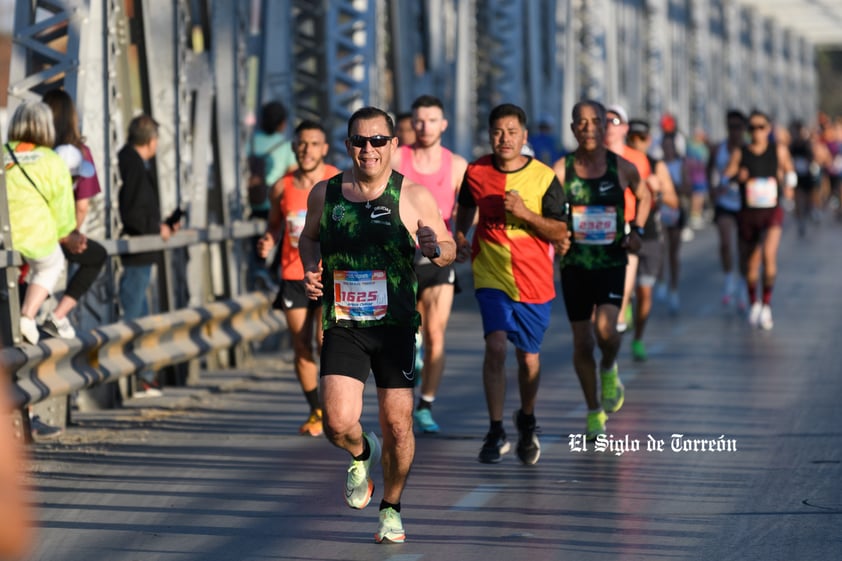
column 459, row 167
column 733, row 167
column 548, row 229
column 308, row 244
column 421, row 215
column 668, row 195
column 274, row 222
column 786, row 171
column 558, row 168
column 465, row 216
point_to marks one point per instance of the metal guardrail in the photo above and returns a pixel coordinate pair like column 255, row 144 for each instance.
column 202, row 268
column 183, row 238
column 58, row 367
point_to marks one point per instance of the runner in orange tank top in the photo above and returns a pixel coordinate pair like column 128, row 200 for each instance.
column 615, row 140
column 286, row 220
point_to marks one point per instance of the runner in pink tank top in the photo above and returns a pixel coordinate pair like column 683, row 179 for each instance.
column 440, row 182
column 429, row 163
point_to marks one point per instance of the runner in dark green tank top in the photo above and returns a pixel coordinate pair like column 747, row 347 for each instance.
column 358, row 251
column 596, row 217
column 345, row 228
column 594, row 268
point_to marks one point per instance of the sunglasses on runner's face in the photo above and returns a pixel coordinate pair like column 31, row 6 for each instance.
column 615, row 121
column 377, row 141
column 756, row 126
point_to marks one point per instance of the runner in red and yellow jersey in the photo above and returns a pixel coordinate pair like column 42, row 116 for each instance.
column 521, row 214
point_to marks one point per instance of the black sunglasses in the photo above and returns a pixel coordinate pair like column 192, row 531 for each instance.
column 377, row 141
column 754, row 127
column 615, row 121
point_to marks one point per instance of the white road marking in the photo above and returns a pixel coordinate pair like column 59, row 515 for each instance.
column 477, row 498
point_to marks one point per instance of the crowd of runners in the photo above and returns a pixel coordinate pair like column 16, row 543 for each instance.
column 368, row 258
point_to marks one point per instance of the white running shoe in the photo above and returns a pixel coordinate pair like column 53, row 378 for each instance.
column 754, row 314
column 358, row 484
column 765, row 321
column 29, row 330
column 59, row 327
column 391, row 527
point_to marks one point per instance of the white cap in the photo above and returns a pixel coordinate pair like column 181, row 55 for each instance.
column 618, row 110
column 72, row 156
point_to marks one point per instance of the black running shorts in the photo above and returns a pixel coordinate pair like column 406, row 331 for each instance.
column 583, row 289
column 387, row 351
column 292, row 295
column 430, row 274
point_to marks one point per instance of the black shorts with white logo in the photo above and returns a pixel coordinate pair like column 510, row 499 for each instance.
column 292, row 294
column 387, row 351
column 583, row 289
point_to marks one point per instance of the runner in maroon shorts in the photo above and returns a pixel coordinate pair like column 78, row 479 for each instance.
column 765, row 172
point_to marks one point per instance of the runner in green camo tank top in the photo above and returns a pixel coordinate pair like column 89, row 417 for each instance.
column 372, row 287
column 594, row 269
column 358, row 249
column 596, row 216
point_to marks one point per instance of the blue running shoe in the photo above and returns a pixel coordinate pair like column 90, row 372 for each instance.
column 424, row 421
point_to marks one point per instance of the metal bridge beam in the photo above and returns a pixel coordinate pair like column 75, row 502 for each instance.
column 657, row 45
column 700, row 39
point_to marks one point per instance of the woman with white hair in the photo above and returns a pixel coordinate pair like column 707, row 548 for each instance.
column 41, row 208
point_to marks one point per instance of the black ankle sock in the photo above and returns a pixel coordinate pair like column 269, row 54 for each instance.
column 313, row 399
column 366, row 451
column 496, row 428
column 424, row 404
column 525, row 421
column 384, row 504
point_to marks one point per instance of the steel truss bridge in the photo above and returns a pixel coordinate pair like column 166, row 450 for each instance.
column 201, row 68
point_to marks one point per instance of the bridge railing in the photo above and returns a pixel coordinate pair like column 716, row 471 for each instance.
column 43, row 375
column 59, row 367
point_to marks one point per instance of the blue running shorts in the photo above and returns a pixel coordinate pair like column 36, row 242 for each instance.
column 525, row 324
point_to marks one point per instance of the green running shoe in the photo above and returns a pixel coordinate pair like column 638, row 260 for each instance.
column 613, row 392
column 595, row 424
column 638, row 350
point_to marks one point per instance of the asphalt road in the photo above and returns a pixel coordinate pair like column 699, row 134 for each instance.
column 218, row 471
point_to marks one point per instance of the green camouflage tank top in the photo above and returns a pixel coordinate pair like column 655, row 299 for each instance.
column 367, row 259
column 595, row 217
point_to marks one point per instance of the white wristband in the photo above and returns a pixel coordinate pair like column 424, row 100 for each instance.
column 791, row 179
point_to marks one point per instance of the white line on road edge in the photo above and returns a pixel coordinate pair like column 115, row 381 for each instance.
column 477, row 498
